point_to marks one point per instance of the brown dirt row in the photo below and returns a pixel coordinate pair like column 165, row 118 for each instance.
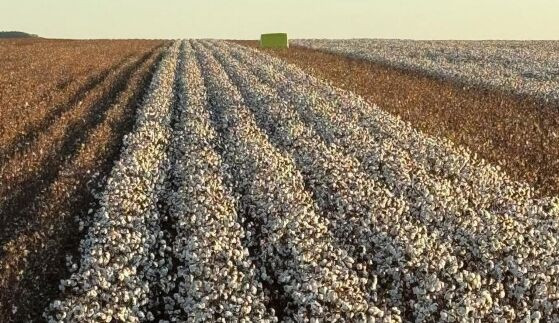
column 521, row 134
column 33, row 262
column 38, row 79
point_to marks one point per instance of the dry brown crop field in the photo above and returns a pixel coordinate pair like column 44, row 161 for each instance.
column 519, row 133
column 65, row 108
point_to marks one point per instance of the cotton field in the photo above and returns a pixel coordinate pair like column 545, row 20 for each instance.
column 249, row 190
column 65, row 108
column 521, row 67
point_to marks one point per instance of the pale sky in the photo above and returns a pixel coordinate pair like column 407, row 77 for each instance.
column 247, row 19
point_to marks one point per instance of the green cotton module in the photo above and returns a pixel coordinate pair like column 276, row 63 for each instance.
column 275, row 40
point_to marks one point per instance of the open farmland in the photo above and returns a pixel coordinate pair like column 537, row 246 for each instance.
column 249, row 189
column 521, row 67
column 65, row 107
column 208, row 181
column 518, row 133
column 40, row 79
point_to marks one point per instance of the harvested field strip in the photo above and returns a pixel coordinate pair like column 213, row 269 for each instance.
column 33, row 259
column 30, row 171
column 249, row 190
column 25, row 137
column 519, row 134
column 29, row 81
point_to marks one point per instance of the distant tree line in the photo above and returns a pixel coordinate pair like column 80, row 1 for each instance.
column 16, row 34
